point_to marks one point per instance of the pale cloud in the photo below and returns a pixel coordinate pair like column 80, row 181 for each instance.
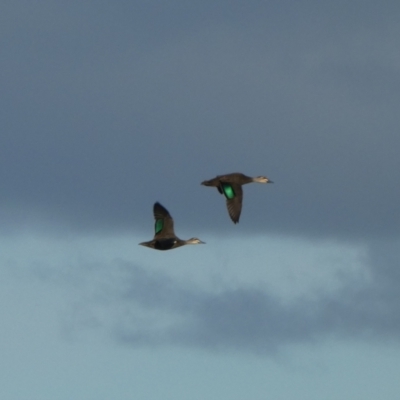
column 144, row 298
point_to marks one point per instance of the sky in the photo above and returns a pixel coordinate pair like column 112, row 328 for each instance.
column 108, row 107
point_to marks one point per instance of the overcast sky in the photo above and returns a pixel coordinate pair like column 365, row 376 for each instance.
column 107, row 107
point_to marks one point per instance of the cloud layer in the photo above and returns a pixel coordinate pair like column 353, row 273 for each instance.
column 143, row 307
column 105, row 113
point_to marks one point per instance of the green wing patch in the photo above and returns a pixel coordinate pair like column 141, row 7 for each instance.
column 228, row 190
column 159, row 225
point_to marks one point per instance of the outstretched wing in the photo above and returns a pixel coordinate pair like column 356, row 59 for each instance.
column 164, row 224
column 234, row 198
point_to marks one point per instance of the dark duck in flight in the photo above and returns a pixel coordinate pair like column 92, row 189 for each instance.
column 230, row 186
column 164, row 237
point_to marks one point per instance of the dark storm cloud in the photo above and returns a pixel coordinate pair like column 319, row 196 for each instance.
column 108, row 108
column 247, row 319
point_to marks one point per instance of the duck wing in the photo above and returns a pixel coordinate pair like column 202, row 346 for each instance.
column 164, row 224
column 234, row 198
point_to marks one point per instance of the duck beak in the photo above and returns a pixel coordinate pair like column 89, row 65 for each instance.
column 270, row 181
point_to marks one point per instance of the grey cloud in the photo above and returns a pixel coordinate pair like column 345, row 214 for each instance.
column 108, row 109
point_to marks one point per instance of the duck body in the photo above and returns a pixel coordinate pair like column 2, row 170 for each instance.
column 165, row 244
column 236, row 177
column 164, row 237
column 230, row 185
